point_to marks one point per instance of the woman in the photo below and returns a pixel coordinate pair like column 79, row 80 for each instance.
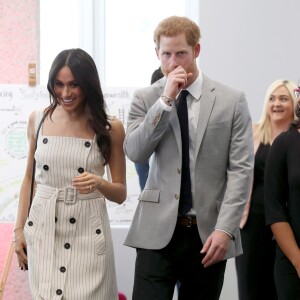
column 282, row 205
column 67, row 234
column 255, row 265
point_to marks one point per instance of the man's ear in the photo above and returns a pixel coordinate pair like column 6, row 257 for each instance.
column 157, row 53
column 197, row 50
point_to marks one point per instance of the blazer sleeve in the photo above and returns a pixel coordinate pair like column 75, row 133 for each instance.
column 239, row 170
column 147, row 123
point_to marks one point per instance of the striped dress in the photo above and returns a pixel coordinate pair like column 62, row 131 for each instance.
column 69, row 244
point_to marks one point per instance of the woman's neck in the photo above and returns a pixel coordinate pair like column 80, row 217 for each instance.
column 278, row 127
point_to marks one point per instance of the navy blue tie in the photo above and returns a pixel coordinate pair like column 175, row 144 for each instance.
column 185, row 201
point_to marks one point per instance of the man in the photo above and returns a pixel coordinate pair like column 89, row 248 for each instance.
column 187, row 221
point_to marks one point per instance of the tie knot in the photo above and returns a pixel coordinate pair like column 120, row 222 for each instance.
column 182, row 99
column 183, row 94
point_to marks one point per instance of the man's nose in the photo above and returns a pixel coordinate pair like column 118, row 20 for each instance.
column 173, row 62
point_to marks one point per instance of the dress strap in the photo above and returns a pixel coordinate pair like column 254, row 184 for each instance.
column 38, row 117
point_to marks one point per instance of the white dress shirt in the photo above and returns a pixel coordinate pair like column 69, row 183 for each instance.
column 193, row 106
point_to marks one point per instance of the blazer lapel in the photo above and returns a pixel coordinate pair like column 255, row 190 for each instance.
column 207, row 102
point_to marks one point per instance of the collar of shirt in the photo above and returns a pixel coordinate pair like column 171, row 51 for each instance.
column 195, row 89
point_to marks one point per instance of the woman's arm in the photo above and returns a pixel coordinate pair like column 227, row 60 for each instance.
column 24, row 197
column 286, row 240
column 116, row 189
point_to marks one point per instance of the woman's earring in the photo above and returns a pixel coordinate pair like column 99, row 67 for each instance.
column 297, row 111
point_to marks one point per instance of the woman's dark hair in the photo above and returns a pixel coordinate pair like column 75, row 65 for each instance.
column 296, row 123
column 85, row 72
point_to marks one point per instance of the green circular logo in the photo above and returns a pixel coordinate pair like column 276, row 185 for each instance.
column 16, row 140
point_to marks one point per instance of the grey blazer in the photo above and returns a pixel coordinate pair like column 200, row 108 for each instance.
column 223, row 171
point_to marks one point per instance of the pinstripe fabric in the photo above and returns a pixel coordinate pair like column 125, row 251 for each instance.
column 68, row 235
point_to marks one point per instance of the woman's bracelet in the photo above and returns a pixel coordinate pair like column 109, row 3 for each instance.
column 167, row 99
column 14, row 240
column 18, row 228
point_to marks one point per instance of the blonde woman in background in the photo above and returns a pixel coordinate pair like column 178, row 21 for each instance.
column 256, row 265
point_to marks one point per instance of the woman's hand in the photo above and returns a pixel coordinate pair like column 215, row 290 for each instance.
column 298, row 271
column 296, row 263
column 86, row 183
column 20, row 248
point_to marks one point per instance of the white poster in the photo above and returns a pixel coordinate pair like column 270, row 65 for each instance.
column 16, row 103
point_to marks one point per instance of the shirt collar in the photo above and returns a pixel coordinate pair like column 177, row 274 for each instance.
column 195, row 89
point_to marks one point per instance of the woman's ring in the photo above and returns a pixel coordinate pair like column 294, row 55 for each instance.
column 90, row 187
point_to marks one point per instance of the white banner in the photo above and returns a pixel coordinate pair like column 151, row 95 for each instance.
column 16, row 103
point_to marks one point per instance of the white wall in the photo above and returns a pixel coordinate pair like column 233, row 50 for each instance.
column 249, row 44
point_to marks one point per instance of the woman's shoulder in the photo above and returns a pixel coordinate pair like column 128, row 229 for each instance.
column 35, row 118
column 117, row 127
column 255, row 129
column 114, row 121
column 286, row 138
column 292, row 132
column 256, row 140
